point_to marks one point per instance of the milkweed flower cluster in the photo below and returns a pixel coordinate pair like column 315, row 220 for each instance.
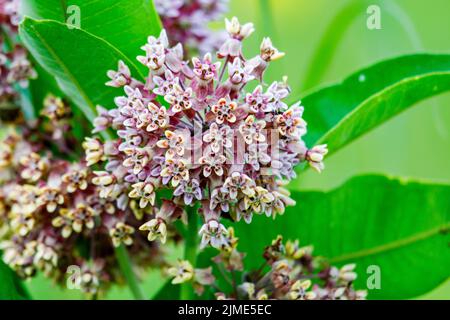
column 186, row 22
column 52, row 217
column 288, row 274
column 199, row 130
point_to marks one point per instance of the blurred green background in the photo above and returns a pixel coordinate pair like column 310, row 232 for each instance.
column 414, row 144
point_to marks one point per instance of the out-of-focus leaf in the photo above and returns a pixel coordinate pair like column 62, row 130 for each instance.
column 440, row 293
column 77, row 59
column 400, row 226
column 41, row 87
column 322, row 57
column 10, row 286
column 341, row 113
column 125, row 24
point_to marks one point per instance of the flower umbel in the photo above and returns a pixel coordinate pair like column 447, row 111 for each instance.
column 203, row 137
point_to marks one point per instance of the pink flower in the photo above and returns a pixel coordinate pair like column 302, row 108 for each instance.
column 252, row 130
column 212, row 163
column 258, row 102
column 190, row 190
column 205, row 71
column 175, row 170
column 219, row 138
column 224, row 111
column 179, row 99
column 122, row 77
column 232, row 48
column 214, row 143
column 213, row 233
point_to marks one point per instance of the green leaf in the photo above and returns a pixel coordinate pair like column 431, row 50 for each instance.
column 125, row 24
column 10, row 286
column 41, row 87
column 168, row 292
column 77, row 59
column 401, row 226
column 341, row 113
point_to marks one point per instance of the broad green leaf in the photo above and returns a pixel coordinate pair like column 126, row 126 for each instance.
column 168, row 292
column 77, row 59
column 10, row 286
column 341, row 113
column 401, row 226
column 125, row 24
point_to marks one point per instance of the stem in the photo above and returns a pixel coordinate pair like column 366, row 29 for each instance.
column 267, row 22
column 190, row 250
column 8, row 42
column 222, row 72
column 260, row 270
column 127, row 270
column 235, row 289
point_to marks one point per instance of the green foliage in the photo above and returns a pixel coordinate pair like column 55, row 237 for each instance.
column 75, row 58
column 343, row 112
column 168, row 292
column 400, row 226
column 127, row 270
column 10, row 285
column 79, row 58
column 125, row 24
column 344, row 230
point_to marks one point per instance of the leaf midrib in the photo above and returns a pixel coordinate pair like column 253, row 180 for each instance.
column 376, row 95
column 66, row 70
column 442, row 229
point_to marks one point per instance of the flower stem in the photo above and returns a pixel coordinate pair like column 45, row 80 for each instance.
column 127, row 271
column 9, row 44
column 190, row 250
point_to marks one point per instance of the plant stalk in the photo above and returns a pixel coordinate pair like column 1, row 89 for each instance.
column 127, row 271
column 190, row 250
column 9, row 44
